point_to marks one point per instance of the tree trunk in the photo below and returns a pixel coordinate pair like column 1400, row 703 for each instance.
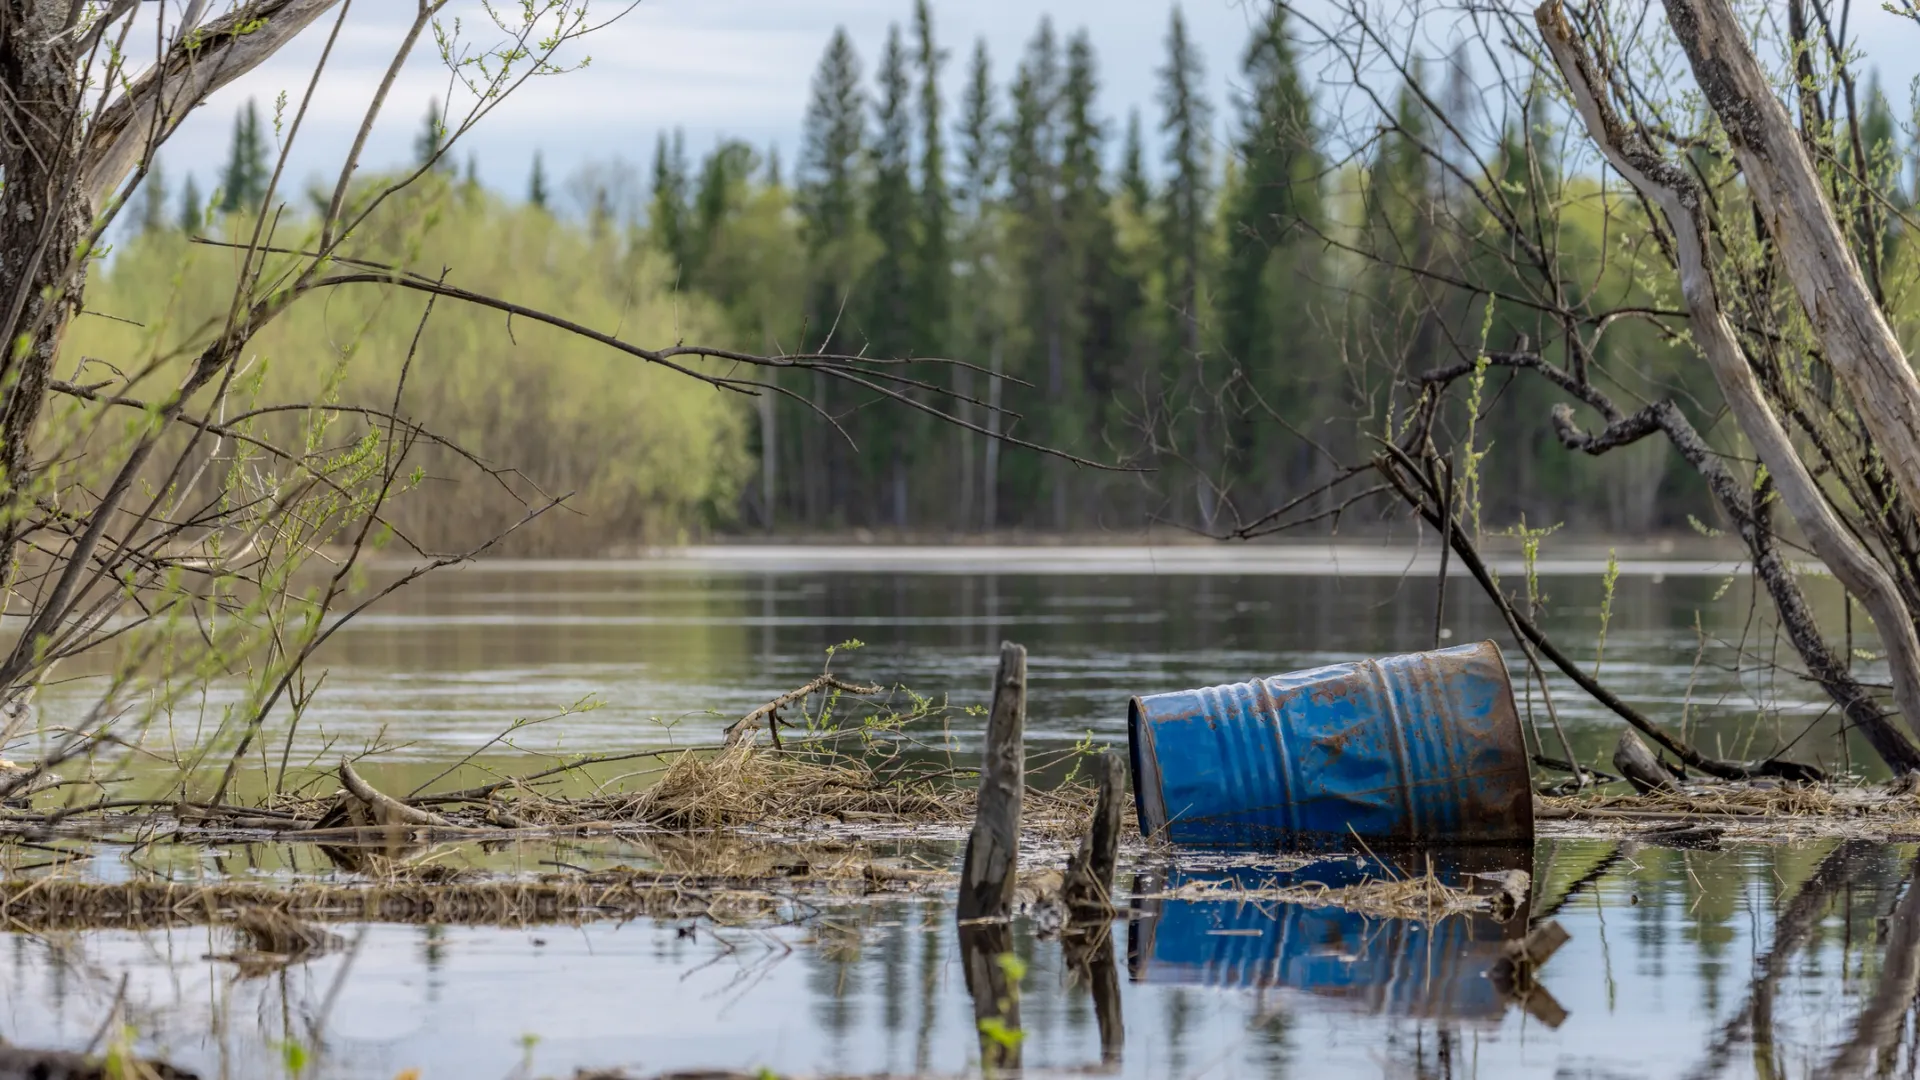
column 43, row 218
column 1675, row 193
column 1833, row 290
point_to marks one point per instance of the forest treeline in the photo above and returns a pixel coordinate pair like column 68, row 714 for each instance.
column 1222, row 297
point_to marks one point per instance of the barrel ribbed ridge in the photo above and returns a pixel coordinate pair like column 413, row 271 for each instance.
column 1419, row 747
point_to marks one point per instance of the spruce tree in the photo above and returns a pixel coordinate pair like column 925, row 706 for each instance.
column 1039, row 259
column 153, row 200
column 427, row 145
column 889, row 322
column 828, row 199
column 1186, row 120
column 978, row 327
column 667, row 211
column 537, row 183
column 829, row 178
column 243, row 184
column 1133, row 170
column 933, row 265
column 1103, row 298
column 979, row 136
column 192, row 208
column 1271, row 212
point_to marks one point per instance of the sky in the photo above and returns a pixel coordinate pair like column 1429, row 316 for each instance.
column 715, row 68
column 732, row 68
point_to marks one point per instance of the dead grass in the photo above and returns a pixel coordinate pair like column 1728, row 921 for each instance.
column 751, row 785
column 1425, row 898
column 1742, row 812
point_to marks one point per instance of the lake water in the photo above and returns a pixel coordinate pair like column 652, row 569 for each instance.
column 674, row 648
column 1671, row 949
column 1752, row 961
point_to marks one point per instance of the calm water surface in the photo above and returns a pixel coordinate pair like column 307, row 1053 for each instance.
column 673, row 649
column 1770, row 960
column 1751, row 961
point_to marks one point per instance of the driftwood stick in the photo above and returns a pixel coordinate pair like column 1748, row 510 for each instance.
column 1639, row 766
column 769, row 714
column 384, row 808
column 1088, row 889
column 987, row 876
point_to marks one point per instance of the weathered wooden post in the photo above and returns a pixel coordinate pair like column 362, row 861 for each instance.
column 1087, row 891
column 987, row 875
column 993, row 850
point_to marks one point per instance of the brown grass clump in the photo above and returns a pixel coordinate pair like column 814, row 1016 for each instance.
column 1739, row 811
column 750, row 785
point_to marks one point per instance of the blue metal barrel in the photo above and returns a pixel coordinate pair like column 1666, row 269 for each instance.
column 1423, row 748
column 1392, row 966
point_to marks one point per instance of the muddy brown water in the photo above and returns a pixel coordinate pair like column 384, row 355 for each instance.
column 1767, row 959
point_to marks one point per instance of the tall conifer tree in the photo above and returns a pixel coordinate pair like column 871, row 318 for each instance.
column 933, row 263
column 1186, row 119
column 243, row 183
column 537, row 194
column 667, row 214
column 828, row 198
column 1271, row 212
column 890, row 321
column 192, row 208
column 153, row 200
column 978, row 328
column 1036, row 248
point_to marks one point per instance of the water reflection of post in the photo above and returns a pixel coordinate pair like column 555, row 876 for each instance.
column 1088, row 895
column 1090, row 957
column 996, row 1002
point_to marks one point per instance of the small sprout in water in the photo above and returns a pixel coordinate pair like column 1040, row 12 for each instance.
column 293, row 1055
column 996, row 1029
column 1013, row 967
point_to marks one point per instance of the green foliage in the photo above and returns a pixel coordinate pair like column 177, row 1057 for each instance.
column 649, row 454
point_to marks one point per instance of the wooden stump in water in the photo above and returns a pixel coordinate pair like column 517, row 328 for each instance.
column 993, row 850
column 1088, row 890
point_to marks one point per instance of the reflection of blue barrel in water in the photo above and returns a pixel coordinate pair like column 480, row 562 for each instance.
column 1419, row 748
column 1397, row 966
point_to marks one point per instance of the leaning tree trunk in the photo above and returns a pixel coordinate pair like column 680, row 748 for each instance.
column 1854, row 336
column 1680, row 198
column 43, row 220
